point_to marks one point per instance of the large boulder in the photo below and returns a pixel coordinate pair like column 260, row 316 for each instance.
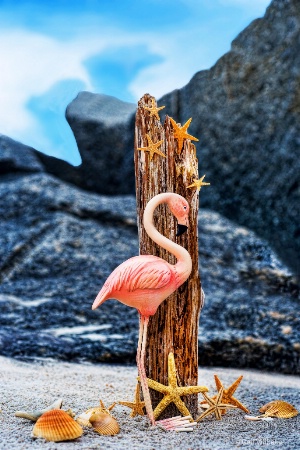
column 246, row 114
column 103, row 127
column 58, row 244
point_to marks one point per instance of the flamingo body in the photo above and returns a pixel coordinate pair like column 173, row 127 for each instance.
column 142, row 282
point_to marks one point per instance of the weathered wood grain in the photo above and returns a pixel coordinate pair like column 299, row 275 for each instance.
column 174, row 327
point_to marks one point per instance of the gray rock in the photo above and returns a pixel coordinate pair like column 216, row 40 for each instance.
column 103, row 127
column 16, row 157
column 58, row 244
column 246, row 114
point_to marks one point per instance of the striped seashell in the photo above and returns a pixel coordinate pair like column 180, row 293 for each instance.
column 84, row 418
column 104, row 423
column 279, row 408
column 56, row 425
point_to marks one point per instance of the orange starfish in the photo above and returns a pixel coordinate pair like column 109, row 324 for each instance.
column 137, row 405
column 180, row 133
column 215, row 406
column 152, row 148
column 227, row 397
column 153, row 109
column 199, row 183
column 228, row 393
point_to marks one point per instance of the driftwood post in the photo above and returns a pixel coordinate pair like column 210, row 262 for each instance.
column 174, row 327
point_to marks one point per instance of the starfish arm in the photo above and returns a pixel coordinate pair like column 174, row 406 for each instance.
column 172, row 380
column 231, row 390
column 235, row 402
column 218, row 382
column 189, row 390
column 160, row 153
column 129, row 404
column 180, row 143
column 209, row 400
column 186, row 125
column 162, row 406
column 218, row 415
column 181, row 406
column 173, row 122
column 205, row 413
column 137, row 409
column 219, row 396
column 192, row 138
column 226, row 405
column 157, row 386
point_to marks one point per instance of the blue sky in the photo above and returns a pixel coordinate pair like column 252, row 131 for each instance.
column 51, row 50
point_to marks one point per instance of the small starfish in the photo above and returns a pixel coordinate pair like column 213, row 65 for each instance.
column 173, row 392
column 199, row 183
column 152, row 148
column 153, row 109
column 137, row 406
column 215, row 406
column 228, row 393
column 180, row 133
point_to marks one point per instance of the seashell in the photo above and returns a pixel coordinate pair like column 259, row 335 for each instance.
column 84, row 418
column 104, row 423
column 254, row 418
column 34, row 415
column 266, row 406
column 279, row 408
column 56, row 425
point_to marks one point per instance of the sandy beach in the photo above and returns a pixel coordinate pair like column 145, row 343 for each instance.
column 29, row 386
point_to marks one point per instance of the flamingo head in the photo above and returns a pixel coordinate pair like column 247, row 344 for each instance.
column 180, row 209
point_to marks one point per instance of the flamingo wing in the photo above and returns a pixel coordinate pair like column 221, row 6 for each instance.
column 139, row 272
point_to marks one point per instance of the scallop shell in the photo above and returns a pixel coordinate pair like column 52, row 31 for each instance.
column 56, row 425
column 279, row 408
column 104, row 423
column 84, row 418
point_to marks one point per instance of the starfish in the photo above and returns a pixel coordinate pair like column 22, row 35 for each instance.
column 152, row 148
column 215, row 406
column 180, row 133
column 137, row 405
column 153, row 109
column 199, row 183
column 228, row 393
column 173, row 392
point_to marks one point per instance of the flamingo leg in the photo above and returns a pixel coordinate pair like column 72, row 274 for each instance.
column 140, row 358
column 177, row 423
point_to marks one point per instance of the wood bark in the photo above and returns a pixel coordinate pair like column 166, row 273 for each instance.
column 174, row 327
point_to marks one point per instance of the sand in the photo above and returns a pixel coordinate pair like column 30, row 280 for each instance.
column 29, row 386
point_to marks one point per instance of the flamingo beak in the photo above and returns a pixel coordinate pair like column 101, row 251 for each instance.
column 181, row 229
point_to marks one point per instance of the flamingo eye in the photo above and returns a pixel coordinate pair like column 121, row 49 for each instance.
column 184, row 207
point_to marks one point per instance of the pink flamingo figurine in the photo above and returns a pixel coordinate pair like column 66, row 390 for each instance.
column 144, row 282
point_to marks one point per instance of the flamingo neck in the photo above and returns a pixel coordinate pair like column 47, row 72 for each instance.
column 183, row 266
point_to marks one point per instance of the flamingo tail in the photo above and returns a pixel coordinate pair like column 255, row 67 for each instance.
column 101, row 297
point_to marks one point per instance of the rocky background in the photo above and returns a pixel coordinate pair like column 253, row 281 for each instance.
column 64, row 229
column 246, row 114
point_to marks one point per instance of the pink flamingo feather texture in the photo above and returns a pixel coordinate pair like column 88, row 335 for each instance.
column 144, row 282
